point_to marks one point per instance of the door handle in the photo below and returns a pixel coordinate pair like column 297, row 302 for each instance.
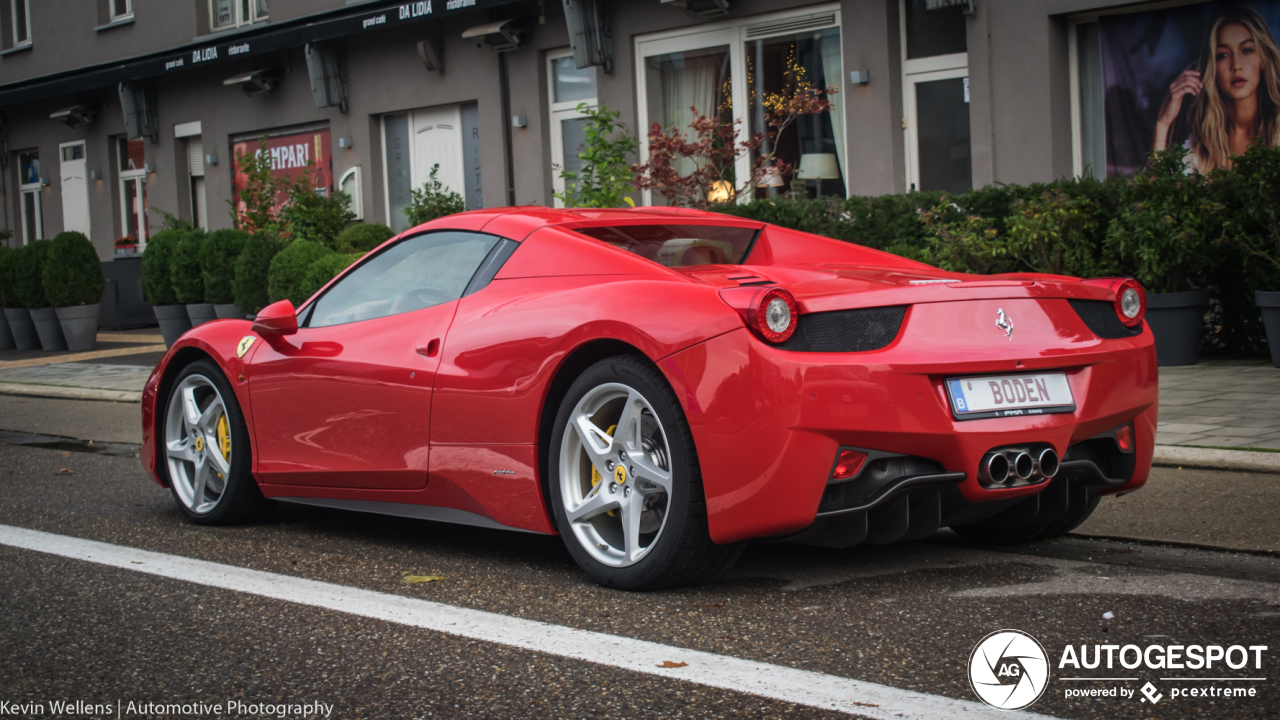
column 431, row 349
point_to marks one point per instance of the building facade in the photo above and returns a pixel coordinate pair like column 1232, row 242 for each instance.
column 115, row 110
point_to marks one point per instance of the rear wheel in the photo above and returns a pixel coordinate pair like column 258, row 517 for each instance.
column 1028, row 533
column 205, row 449
column 626, row 489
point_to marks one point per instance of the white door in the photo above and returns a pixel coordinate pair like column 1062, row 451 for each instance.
column 437, row 139
column 75, row 189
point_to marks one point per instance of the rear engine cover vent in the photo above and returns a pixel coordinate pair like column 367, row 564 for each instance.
column 859, row 330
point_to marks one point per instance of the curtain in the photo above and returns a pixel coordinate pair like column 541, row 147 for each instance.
column 690, row 82
column 830, row 49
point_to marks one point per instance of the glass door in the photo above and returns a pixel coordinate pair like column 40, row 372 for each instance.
column 133, row 190
column 938, row 114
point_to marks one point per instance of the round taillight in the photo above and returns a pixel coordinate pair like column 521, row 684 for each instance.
column 776, row 315
column 1131, row 302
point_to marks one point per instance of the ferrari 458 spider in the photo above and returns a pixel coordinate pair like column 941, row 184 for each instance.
column 658, row 386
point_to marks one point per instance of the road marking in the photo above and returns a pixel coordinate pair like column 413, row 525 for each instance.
column 79, row 357
column 126, row 338
column 801, row 687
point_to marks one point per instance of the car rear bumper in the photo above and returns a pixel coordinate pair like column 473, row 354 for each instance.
column 768, row 425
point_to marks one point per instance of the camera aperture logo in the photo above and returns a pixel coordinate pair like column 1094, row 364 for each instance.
column 1008, row 670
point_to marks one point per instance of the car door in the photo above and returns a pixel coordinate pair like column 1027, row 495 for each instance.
column 346, row 401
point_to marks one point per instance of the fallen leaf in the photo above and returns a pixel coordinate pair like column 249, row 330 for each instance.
column 669, row 664
column 711, row 605
column 66, row 453
column 414, row 579
column 63, row 471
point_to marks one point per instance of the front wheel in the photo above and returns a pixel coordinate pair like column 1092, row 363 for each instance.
column 205, row 449
column 626, row 489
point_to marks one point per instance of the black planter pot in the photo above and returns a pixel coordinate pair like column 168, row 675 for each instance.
column 1177, row 321
column 49, row 329
column 1268, row 301
column 173, row 322
column 24, row 331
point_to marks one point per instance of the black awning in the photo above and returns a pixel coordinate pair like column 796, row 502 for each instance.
column 271, row 38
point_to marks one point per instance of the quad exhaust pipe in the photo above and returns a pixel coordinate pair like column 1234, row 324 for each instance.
column 1006, row 465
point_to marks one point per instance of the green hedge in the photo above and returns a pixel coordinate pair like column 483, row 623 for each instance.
column 363, row 237
column 72, row 272
column 289, row 270
column 249, row 287
column 28, row 274
column 8, row 290
column 218, row 258
column 185, row 269
column 157, row 260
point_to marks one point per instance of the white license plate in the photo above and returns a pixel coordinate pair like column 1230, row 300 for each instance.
column 1010, row 395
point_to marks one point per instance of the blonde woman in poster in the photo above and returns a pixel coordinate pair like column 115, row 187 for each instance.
column 1241, row 69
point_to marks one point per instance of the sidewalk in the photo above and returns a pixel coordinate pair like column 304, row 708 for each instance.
column 115, row 370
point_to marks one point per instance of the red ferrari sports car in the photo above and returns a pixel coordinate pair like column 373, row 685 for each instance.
column 658, row 386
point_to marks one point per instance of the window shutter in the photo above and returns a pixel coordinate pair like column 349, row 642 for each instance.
column 195, row 149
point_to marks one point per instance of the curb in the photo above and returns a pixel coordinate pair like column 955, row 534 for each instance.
column 70, row 393
column 1214, row 459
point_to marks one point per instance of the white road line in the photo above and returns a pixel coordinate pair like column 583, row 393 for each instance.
column 801, row 687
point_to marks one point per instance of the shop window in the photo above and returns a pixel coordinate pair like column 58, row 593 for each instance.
column 226, row 14
column 29, row 188
column 293, row 153
column 132, row 173
column 728, row 70
column 569, row 87
column 121, row 9
column 195, row 173
column 1090, row 122
column 935, row 65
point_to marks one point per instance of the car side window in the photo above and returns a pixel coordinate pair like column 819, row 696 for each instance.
column 415, row 273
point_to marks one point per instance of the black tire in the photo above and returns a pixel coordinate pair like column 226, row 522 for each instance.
column 240, row 499
column 1028, row 533
column 682, row 552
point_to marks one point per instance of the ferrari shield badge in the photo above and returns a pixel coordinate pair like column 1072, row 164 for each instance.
column 246, row 342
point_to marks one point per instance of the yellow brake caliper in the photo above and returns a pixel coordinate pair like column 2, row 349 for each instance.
column 224, row 438
column 596, row 479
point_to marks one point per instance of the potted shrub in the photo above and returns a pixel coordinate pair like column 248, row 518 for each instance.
column 1253, row 200
column 73, row 283
column 188, row 281
column 324, row 270
column 218, row 258
column 289, row 269
column 1164, row 233
column 253, row 267
column 363, row 237
column 29, row 277
column 16, row 314
column 157, row 260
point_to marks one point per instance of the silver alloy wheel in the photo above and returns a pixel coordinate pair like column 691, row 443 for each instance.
column 198, row 467
column 618, row 512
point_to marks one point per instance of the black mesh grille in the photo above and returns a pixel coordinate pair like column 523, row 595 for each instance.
column 857, row 330
column 879, row 477
column 1101, row 318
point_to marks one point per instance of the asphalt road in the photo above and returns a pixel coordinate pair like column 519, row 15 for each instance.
column 905, row 615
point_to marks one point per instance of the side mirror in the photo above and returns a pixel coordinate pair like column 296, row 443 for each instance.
column 276, row 319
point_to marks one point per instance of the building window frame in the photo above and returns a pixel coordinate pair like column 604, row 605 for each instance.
column 138, row 176
column 30, row 189
column 735, row 34
column 357, row 197
column 21, row 31
column 557, row 113
column 244, row 12
column 914, row 72
column 114, row 9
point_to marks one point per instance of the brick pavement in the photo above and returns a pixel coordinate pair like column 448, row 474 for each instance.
column 1221, row 403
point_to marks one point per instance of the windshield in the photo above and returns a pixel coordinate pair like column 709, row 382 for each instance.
column 680, row 245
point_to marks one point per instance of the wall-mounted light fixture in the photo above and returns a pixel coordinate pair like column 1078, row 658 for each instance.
column 345, row 142
column 210, row 159
column 95, row 174
column 519, row 121
column 859, row 77
column 149, row 167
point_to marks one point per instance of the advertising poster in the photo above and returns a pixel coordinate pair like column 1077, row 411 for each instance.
column 1204, row 76
column 291, row 155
